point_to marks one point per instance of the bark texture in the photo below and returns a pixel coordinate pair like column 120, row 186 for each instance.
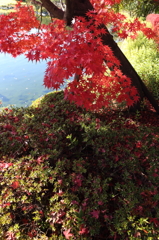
column 54, row 11
column 76, row 8
column 128, row 70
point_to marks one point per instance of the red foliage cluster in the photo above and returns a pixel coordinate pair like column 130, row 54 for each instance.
column 76, row 51
column 154, row 20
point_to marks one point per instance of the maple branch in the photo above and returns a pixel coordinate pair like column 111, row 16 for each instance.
column 69, row 13
column 62, row 5
column 76, row 8
column 54, row 11
column 76, row 77
column 81, row 7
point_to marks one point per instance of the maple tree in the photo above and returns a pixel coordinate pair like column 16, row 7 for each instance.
column 77, row 44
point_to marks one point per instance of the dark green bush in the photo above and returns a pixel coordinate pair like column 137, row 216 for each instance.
column 70, row 174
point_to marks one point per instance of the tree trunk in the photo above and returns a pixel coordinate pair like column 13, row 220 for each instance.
column 128, row 70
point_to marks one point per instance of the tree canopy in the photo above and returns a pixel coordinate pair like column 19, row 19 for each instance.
column 73, row 45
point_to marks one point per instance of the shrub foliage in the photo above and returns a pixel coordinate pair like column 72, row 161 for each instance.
column 67, row 173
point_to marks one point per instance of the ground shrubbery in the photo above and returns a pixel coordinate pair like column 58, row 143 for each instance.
column 70, row 174
column 144, row 56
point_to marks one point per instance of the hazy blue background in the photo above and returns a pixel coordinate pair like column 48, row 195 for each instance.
column 21, row 82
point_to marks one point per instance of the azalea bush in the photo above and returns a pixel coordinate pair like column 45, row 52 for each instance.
column 144, row 56
column 67, row 173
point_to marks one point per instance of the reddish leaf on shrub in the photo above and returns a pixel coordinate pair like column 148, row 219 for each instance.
column 32, row 233
column 138, row 144
column 24, row 220
column 15, row 185
column 5, row 204
column 67, row 234
column 5, row 165
column 154, row 221
column 10, row 236
column 83, row 230
column 95, row 214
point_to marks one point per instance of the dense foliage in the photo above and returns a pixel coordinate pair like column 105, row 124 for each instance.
column 78, row 50
column 67, row 173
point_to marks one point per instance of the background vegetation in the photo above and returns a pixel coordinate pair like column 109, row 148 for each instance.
column 144, row 56
column 138, row 8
